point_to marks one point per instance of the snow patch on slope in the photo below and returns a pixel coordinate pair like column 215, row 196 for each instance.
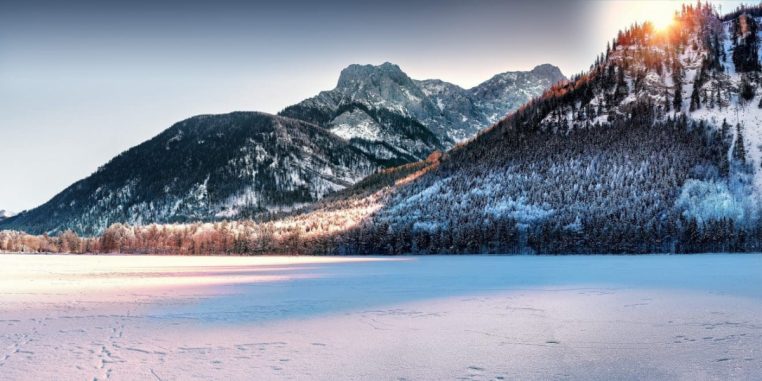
column 356, row 124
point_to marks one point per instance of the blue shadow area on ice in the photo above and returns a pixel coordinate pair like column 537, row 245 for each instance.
column 343, row 287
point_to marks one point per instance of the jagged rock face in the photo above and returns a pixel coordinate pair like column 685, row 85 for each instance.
column 203, row 168
column 466, row 112
column 378, row 109
column 386, row 137
column 383, row 86
column 459, row 117
column 429, row 107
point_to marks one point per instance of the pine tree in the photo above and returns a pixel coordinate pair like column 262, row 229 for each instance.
column 677, row 101
column 677, row 78
column 725, row 129
column 621, row 85
column 739, row 149
column 695, row 100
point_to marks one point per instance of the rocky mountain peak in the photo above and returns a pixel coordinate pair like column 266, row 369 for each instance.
column 355, row 73
column 551, row 72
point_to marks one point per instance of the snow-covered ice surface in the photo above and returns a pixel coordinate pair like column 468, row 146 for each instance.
column 421, row 318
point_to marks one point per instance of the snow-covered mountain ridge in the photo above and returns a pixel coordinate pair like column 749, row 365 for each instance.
column 379, row 106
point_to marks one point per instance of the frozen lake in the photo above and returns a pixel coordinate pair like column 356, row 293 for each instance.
column 411, row 318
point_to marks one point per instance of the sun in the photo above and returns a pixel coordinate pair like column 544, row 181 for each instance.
column 662, row 21
column 618, row 14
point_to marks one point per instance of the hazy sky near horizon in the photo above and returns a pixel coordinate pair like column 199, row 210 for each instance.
column 81, row 81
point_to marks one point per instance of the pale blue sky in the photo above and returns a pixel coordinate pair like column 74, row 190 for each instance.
column 81, row 81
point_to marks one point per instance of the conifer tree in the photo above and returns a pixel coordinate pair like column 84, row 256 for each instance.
column 695, row 100
column 677, row 78
column 677, row 101
column 739, row 149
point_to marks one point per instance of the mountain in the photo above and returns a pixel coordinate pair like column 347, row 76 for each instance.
column 5, row 214
column 379, row 109
column 202, row 168
column 242, row 165
column 384, row 112
column 657, row 148
column 504, row 93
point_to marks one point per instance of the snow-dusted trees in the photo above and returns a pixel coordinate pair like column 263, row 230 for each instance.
column 69, row 242
column 608, row 189
column 66, row 242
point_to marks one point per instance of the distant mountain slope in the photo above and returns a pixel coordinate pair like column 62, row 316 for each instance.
column 506, row 92
column 371, row 103
column 205, row 167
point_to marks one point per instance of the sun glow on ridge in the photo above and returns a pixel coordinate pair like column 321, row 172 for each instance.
column 620, row 14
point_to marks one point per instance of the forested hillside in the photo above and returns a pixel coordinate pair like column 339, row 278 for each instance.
column 204, row 168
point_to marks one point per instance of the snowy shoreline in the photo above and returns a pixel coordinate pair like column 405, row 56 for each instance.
column 234, row 255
